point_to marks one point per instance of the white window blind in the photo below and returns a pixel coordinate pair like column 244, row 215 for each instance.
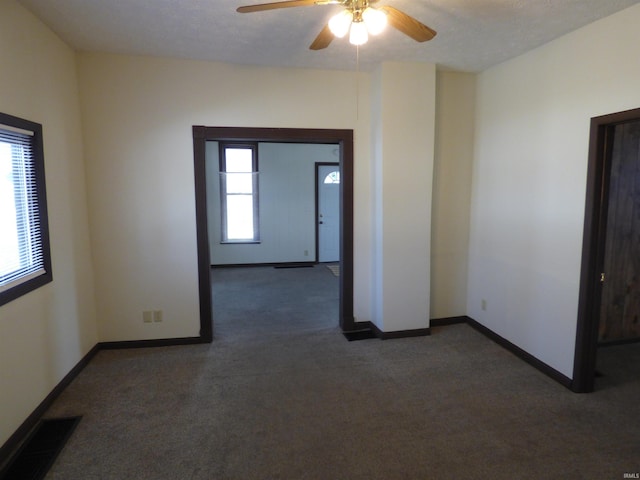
column 21, row 248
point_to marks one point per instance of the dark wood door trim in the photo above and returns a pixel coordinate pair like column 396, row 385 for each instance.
column 343, row 138
column 594, row 233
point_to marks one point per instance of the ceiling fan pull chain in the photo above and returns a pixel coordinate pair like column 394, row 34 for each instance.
column 357, row 82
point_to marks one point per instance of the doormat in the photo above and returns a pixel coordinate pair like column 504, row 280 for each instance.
column 294, row 265
column 335, row 269
column 36, row 456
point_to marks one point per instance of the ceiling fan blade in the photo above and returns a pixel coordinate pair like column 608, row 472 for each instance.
column 272, row 6
column 323, row 39
column 408, row 25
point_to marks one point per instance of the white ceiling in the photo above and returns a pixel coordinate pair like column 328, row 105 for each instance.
column 472, row 34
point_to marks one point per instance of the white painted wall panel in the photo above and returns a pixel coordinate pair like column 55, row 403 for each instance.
column 405, row 101
column 529, row 180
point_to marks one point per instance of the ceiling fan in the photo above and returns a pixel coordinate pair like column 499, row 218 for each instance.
column 358, row 19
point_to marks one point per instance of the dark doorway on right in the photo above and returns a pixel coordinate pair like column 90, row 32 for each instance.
column 609, row 304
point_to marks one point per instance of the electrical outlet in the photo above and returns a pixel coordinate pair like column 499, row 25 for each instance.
column 147, row 316
column 157, row 316
column 483, row 304
column 306, row 253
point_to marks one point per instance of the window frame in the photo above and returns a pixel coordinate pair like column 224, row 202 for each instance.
column 253, row 146
column 41, row 216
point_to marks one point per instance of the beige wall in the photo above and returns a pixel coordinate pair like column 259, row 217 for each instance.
column 46, row 332
column 529, row 180
column 138, row 115
column 455, row 115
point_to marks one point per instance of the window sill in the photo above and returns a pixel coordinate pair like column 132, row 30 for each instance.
column 240, row 242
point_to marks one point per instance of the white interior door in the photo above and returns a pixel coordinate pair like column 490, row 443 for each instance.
column 328, row 213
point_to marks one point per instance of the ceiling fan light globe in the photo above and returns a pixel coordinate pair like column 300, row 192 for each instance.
column 358, row 34
column 340, row 23
column 375, row 20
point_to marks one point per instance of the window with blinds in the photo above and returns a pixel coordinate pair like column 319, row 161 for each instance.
column 25, row 261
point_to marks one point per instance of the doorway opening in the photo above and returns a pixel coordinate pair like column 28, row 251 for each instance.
column 605, row 248
column 344, row 141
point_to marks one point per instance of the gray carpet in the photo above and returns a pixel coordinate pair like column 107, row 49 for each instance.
column 277, row 396
column 250, row 302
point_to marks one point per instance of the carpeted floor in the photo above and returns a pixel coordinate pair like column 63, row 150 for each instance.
column 279, row 395
column 253, row 302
